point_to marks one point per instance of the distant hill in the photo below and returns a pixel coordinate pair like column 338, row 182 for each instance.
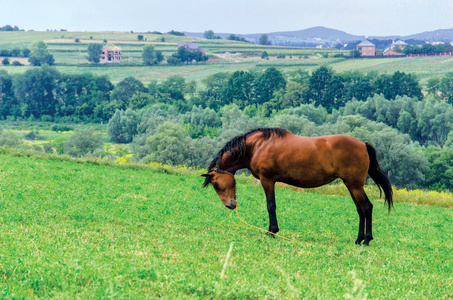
column 440, row 35
column 319, row 32
column 322, row 36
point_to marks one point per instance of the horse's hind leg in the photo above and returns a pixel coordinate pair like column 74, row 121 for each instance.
column 365, row 211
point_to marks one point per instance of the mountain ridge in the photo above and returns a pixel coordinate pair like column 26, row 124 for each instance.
column 323, row 35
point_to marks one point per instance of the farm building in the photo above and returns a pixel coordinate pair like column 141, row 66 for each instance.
column 111, row 54
column 395, row 49
column 367, row 48
column 192, row 47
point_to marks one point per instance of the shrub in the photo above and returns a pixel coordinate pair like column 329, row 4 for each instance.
column 83, row 143
column 58, row 127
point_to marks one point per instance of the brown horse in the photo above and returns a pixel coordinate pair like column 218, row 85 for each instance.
column 274, row 154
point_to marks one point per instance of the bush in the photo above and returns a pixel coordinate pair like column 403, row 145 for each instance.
column 58, row 127
column 31, row 136
column 9, row 138
column 83, row 143
column 25, row 52
column 169, row 145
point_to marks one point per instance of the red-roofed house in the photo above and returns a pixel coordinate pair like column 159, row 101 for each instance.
column 395, row 49
column 367, row 48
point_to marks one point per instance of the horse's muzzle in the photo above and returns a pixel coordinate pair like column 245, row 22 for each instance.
column 232, row 205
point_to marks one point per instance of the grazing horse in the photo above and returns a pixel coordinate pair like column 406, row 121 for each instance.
column 276, row 155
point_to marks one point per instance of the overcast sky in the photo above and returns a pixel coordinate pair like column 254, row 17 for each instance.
column 359, row 17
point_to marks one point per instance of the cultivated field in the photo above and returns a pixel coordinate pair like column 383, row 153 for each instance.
column 72, row 230
column 225, row 56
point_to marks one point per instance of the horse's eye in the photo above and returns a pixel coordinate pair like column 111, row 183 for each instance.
column 216, row 185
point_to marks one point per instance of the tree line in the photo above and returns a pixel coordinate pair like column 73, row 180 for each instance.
column 412, row 132
column 45, row 92
column 427, row 48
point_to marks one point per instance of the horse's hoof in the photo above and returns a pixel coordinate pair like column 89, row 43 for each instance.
column 367, row 242
column 270, row 234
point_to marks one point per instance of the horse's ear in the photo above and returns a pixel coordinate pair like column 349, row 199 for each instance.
column 207, row 180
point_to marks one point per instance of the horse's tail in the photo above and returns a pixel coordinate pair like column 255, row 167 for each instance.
column 378, row 175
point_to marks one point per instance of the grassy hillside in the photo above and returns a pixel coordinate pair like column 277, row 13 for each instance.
column 226, row 56
column 81, row 230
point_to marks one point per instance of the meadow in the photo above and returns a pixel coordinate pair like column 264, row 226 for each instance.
column 84, row 230
column 226, row 56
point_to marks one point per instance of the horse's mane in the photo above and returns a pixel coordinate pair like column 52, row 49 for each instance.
column 237, row 147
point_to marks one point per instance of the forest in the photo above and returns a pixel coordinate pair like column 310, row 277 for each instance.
column 185, row 123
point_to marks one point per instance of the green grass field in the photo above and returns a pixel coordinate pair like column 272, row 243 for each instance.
column 72, row 230
column 227, row 56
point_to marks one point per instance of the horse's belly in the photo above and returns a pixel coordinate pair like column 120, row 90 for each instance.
column 311, row 182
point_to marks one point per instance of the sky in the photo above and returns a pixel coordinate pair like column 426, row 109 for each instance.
column 358, row 17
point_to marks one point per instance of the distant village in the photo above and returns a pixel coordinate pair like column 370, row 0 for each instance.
column 399, row 48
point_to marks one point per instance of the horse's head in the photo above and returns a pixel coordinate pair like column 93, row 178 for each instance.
column 225, row 186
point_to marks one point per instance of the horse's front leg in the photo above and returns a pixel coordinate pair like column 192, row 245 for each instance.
column 269, row 190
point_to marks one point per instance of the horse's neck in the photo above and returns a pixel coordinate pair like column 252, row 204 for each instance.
column 231, row 165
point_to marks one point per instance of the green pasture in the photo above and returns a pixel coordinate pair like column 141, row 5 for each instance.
column 72, row 230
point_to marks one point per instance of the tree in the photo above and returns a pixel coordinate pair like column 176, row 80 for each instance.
column 264, row 55
column 183, row 54
column 406, row 85
column 172, row 92
column 233, row 37
column 295, row 124
column 240, row 88
column 355, row 53
column 357, row 85
column 174, row 60
column 169, row 145
column 15, row 52
column 234, row 122
column 212, row 95
column 39, row 55
column 200, row 119
column 439, row 175
column 8, row 102
column 148, row 55
column 159, row 57
column 140, row 37
column 446, row 88
column 318, row 84
column 94, row 53
column 26, row 52
column 398, row 84
column 140, row 100
column 208, row 34
column 125, row 89
column 433, row 85
column 5, row 61
column 36, row 90
column 264, row 40
column 80, row 95
column 269, row 82
column 122, row 127
column 83, row 143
